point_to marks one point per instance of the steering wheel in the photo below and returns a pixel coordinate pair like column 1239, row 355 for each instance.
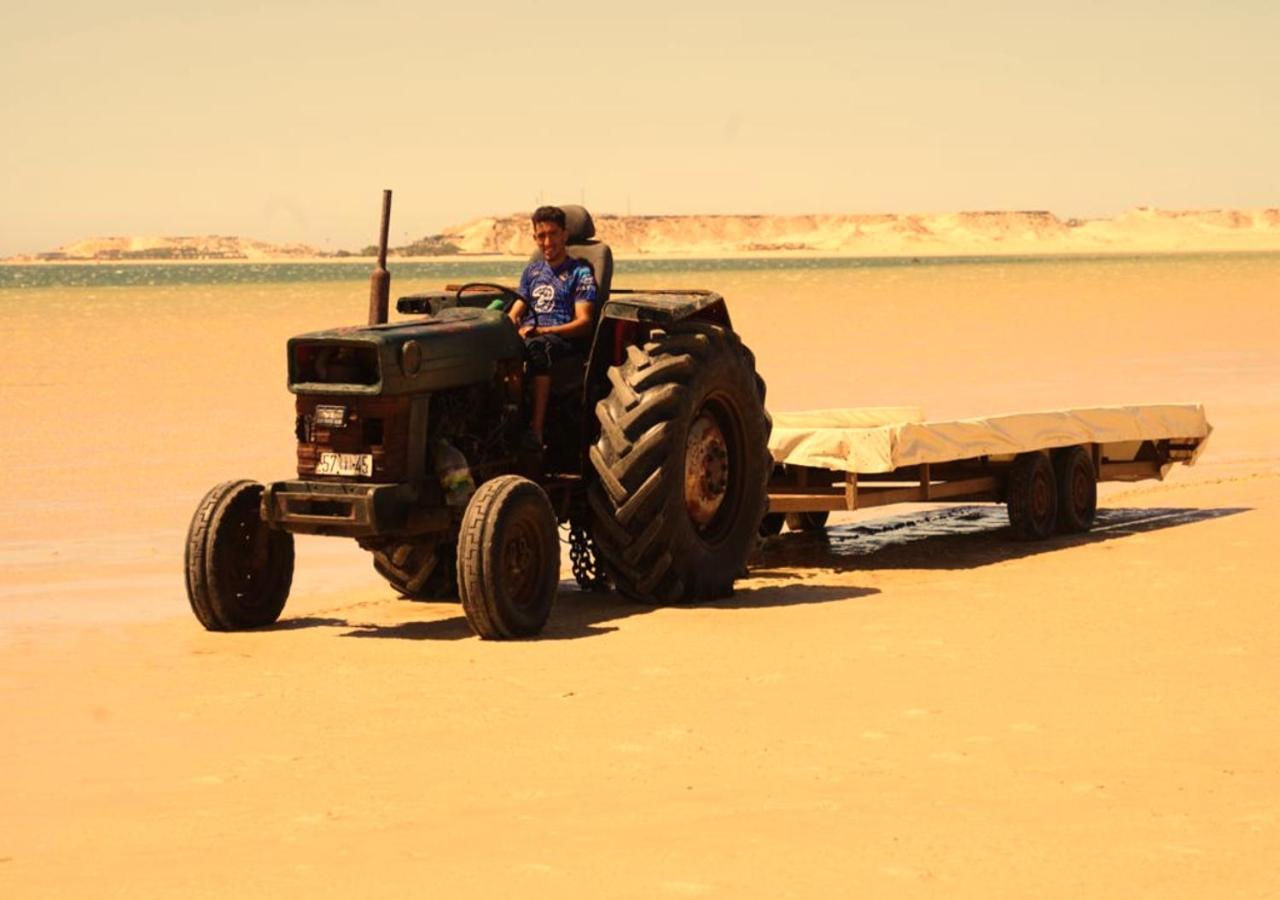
column 509, row 296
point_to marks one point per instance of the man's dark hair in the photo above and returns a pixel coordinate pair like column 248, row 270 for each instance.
column 549, row 214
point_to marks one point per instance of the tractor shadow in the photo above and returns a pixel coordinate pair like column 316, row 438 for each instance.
column 302, row 622
column 956, row 538
column 963, row 537
column 580, row 614
column 453, row 628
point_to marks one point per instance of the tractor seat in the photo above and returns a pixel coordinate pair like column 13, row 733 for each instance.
column 582, row 245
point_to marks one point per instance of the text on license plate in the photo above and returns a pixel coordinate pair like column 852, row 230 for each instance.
column 345, row 464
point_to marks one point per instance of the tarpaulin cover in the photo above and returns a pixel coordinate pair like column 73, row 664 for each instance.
column 877, row 440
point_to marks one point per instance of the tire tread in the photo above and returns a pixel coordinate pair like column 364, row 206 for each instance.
column 635, row 523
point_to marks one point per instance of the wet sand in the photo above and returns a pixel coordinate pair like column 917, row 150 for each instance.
column 911, row 706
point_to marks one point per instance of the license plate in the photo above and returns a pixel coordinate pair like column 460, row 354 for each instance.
column 360, row 464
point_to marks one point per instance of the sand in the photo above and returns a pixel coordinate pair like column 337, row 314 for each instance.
column 912, row 706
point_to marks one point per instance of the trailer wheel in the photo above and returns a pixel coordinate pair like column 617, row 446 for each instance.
column 238, row 568
column 808, row 521
column 508, row 559
column 1077, row 489
column 1032, row 497
column 682, row 463
column 421, row 569
column 772, row 524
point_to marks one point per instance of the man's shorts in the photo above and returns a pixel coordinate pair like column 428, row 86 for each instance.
column 541, row 350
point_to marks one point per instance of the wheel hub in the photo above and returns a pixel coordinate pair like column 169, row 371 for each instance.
column 247, row 570
column 520, row 563
column 1080, row 485
column 1041, row 497
column 706, row 470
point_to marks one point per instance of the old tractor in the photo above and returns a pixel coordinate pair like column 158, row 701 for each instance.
column 408, row 441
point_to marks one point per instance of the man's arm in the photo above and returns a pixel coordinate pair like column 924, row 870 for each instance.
column 516, row 312
column 579, row 327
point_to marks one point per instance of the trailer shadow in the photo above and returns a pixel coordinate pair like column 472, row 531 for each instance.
column 963, row 537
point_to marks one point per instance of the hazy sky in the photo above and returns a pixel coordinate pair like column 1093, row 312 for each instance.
column 284, row 120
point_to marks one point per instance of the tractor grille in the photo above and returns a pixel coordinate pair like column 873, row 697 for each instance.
column 378, row 426
column 329, row 363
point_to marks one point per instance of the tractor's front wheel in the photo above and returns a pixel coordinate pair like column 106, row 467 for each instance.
column 239, row 569
column 508, row 559
column 682, row 464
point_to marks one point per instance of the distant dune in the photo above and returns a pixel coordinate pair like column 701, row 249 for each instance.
column 963, row 233
column 1139, row 230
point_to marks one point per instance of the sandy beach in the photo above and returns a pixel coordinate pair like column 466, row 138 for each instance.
column 911, row 706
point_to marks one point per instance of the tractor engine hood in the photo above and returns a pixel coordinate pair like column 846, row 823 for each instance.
column 455, row 347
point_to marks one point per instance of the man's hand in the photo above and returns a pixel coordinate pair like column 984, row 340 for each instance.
column 528, row 331
column 516, row 313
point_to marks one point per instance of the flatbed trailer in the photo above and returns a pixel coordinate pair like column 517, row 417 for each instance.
column 1045, row 465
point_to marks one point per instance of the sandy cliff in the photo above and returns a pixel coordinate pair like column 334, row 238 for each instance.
column 198, row 247
column 980, row 233
column 960, row 233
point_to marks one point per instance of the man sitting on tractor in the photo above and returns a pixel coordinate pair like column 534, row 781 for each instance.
column 557, row 319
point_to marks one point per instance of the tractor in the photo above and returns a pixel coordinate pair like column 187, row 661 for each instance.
column 408, row 441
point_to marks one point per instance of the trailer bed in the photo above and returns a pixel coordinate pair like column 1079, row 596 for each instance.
column 844, row 459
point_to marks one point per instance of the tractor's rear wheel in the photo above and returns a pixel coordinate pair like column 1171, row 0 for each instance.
column 1032, row 497
column 419, row 569
column 238, row 568
column 1077, row 489
column 508, row 559
column 682, row 463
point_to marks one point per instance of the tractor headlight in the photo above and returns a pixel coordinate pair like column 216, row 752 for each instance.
column 410, row 357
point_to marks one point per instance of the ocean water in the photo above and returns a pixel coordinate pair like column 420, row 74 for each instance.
column 19, row 277
column 960, row 336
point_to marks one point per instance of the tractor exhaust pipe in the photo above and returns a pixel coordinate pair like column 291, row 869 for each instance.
column 380, row 281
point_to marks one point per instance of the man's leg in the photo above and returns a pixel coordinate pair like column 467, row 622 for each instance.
column 538, row 417
column 543, row 350
column 540, row 350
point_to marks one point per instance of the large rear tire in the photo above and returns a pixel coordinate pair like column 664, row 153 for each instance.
column 418, row 569
column 682, row 463
column 1032, row 497
column 508, row 559
column 238, row 568
column 1077, row 489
